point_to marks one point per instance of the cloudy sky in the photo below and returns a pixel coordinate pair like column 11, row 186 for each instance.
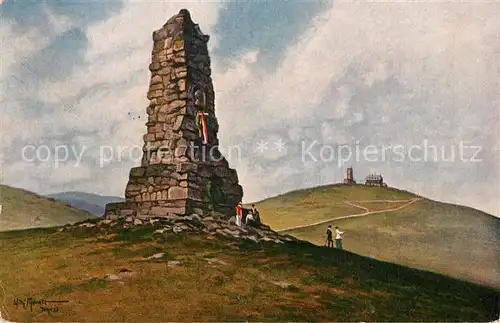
column 412, row 89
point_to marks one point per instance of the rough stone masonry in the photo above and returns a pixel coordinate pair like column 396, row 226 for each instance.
column 182, row 170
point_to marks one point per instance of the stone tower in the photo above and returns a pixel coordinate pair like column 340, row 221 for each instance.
column 182, row 170
column 349, row 177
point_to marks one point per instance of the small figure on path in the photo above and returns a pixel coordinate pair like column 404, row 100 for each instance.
column 329, row 236
column 338, row 238
column 239, row 214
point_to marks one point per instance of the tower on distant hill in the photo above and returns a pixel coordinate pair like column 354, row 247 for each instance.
column 182, row 169
column 349, row 177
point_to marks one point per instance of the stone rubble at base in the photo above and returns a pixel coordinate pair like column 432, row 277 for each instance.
column 214, row 225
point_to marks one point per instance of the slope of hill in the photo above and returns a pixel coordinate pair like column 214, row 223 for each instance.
column 91, row 203
column 321, row 203
column 23, row 209
column 107, row 273
column 449, row 239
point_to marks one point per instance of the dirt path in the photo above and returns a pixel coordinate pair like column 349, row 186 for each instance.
column 365, row 213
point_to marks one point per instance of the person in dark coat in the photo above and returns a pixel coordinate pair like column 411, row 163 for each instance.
column 329, row 236
column 256, row 215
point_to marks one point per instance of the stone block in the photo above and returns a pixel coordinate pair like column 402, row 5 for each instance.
column 165, row 72
column 156, row 79
column 153, row 171
column 160, row 211
column 172, row 97
column 186, row 167
column 161, row 117
column 168, row 42
column 158, row 46
column 179, row 60
column 176, row 193
column 178, row 123
column 132, row 188
column 159, row 34
column 154, row 67
column 181, row 74
column 182, row 85
column 178, row 45
column 179, row 177
column 127, row 212
column 155, row 87
column 198, row 211
column 137, row 172
column 181, row 69
column 176, row 104
column 157, row 127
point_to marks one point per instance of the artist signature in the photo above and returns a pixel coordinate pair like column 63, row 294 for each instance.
column 30, row 303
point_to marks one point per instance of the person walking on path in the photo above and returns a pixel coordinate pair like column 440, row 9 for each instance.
column 338, row 238
column 329, row 236
column 239, row 214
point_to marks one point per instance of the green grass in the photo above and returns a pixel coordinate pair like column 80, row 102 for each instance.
column 380, row 206
column 449, row 239
column 321, row 203
column 22, row 209
column 324, row 284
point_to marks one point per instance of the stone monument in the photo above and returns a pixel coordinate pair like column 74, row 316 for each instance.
column 182, row 170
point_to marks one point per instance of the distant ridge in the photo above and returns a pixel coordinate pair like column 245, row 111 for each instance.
column 92, row 203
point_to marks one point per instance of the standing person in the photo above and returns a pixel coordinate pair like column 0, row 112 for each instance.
column 239, row 214
column 338, row 238
column 329, row 236
column 256, row 214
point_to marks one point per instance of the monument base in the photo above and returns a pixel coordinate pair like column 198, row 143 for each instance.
column 166, row 208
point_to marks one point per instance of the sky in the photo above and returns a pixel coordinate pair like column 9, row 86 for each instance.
column 304, row 89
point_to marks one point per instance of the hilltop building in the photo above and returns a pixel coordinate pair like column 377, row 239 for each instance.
column 375, row 180
column 349, row 180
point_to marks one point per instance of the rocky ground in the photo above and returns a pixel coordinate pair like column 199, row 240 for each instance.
column 212, row 225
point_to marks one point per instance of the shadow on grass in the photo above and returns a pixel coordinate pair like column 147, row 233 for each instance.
column 91, row 285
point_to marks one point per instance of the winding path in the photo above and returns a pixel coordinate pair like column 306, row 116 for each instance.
column 365, row 213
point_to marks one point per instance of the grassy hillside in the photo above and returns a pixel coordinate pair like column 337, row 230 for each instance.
column 449, row 239
column 23, row 209
column 321, row 203
column 107, row 277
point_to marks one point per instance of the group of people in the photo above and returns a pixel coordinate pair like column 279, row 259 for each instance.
column 338, row 237
column 252, row 218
